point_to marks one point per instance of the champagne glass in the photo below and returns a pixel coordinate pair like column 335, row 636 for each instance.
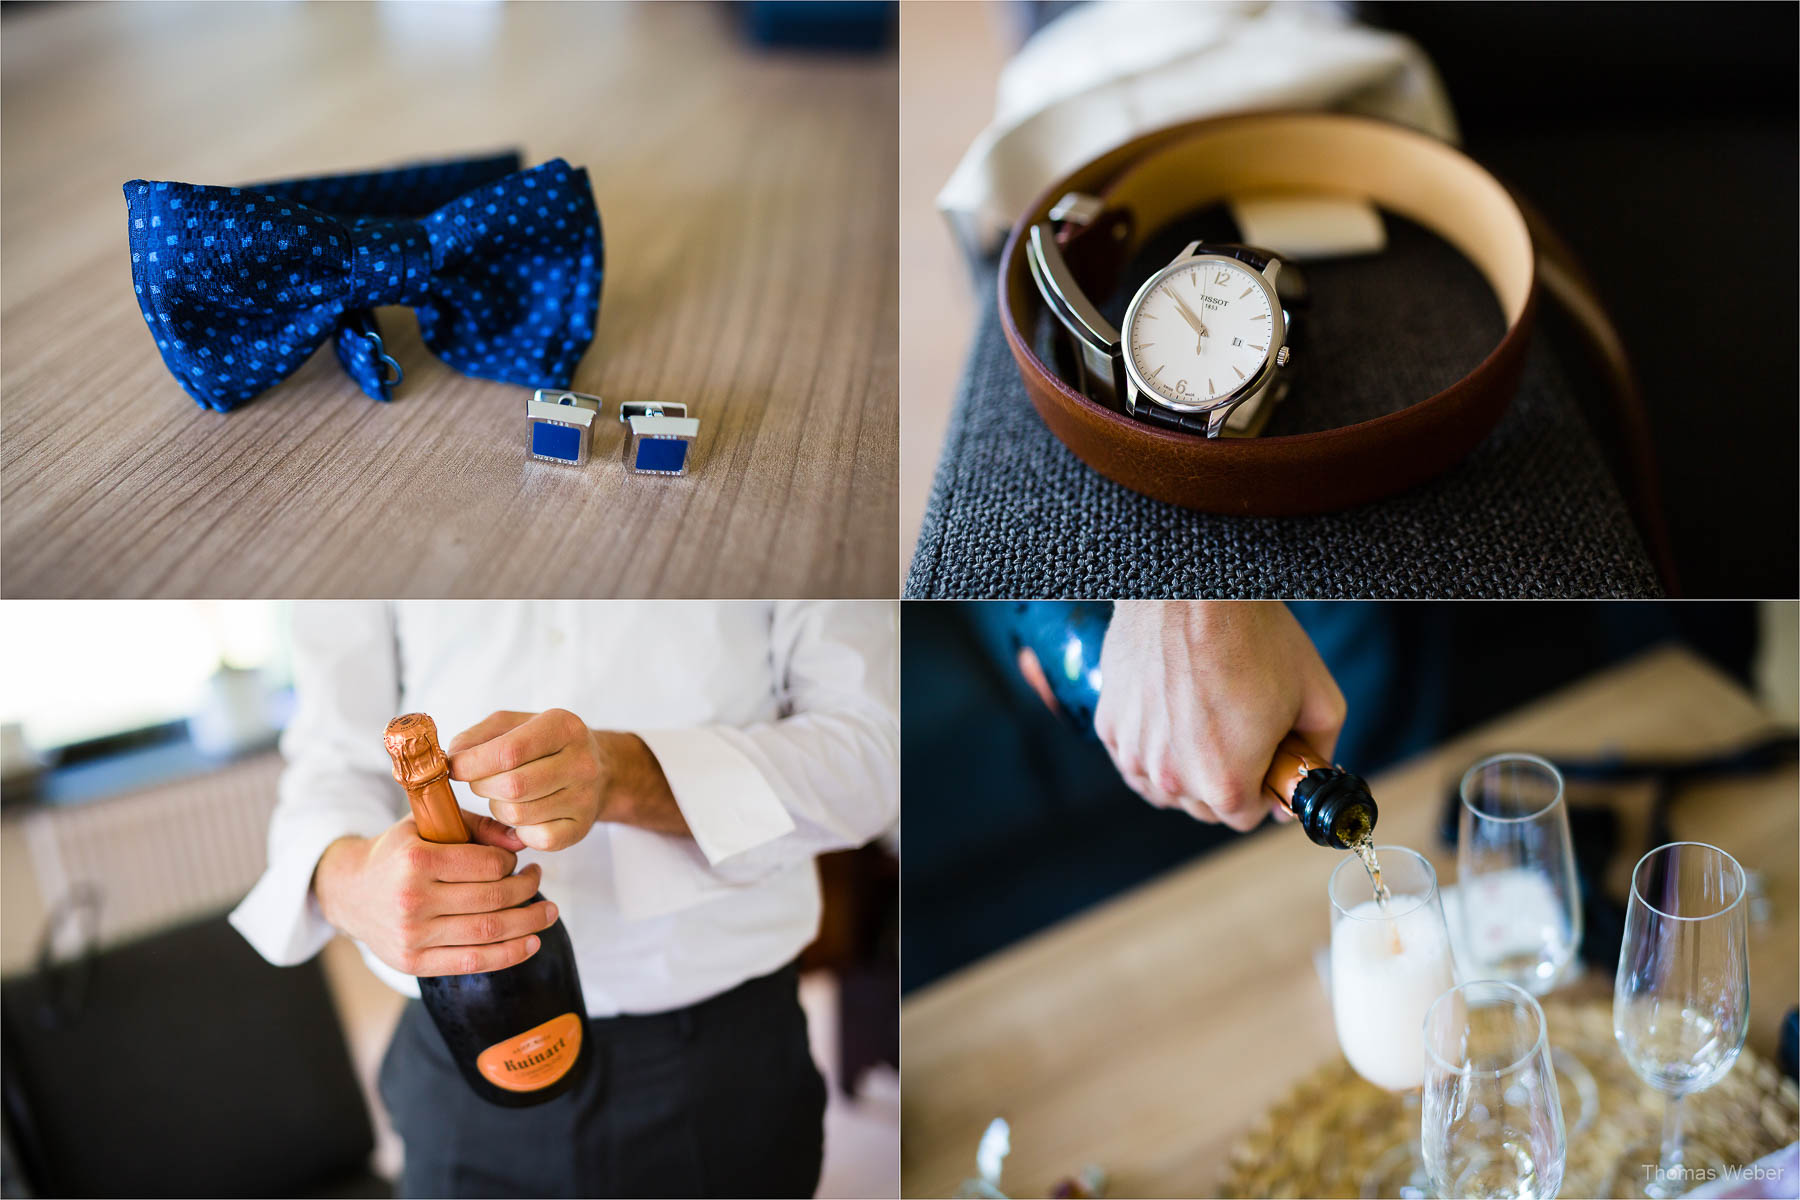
column 1491, row 1123
column 1681, row 1003
column 1515, row 864
column 1521, row 898
column 1389, row 961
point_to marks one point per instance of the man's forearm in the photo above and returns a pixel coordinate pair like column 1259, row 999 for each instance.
column 637, row 793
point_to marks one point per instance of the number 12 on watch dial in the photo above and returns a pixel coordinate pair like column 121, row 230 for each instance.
column 1201, row 331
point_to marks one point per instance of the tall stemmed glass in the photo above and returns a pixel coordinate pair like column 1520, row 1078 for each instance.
column 1491, row 1123
column 1388, row 963
column 1521, row 897
column 1681, row 1004
column 1515, row 866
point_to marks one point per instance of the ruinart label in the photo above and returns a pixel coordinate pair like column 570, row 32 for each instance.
column 536, row 1058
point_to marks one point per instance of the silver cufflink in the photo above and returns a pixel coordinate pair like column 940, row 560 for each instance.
column 656, row 442
column 562, row 425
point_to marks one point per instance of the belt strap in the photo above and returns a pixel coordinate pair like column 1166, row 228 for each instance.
column 1151, row 180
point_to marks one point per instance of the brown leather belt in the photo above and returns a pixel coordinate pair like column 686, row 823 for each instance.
column 1148, row 182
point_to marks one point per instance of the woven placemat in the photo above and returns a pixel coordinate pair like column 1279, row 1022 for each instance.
column 1323, row 1137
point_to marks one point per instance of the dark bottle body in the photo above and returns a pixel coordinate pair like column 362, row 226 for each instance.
column 509, row 1030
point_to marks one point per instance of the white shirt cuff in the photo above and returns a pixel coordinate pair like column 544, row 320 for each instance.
column 728, row 804
column 280, row 918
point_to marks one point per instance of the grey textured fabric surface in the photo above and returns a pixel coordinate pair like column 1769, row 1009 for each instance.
column 1532, row 512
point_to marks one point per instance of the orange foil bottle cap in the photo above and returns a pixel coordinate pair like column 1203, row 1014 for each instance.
column 422, row 769
column 1294, row 759
column 412, row 742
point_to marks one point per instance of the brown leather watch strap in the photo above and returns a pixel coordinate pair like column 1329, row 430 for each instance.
column 1151, row 180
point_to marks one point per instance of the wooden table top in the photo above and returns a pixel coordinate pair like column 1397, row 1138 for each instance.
column 950, row 60
column 749, row 207
column 1149, row 1034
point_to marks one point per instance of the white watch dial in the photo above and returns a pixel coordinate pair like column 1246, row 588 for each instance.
column 1201, row 332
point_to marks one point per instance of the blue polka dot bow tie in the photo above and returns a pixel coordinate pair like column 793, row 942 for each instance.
column 239, row 285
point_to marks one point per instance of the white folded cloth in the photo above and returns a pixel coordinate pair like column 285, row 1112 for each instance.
column 1106, row 72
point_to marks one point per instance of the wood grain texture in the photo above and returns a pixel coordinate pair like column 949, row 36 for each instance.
column 749, row 208
column 1149, row 1034
column 950, row 60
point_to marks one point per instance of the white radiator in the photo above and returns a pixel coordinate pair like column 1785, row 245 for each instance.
column 157, row 857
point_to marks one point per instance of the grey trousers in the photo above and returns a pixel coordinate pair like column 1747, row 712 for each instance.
column 718, row 1099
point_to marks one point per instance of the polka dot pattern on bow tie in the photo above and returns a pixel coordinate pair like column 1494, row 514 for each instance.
column 239, row 286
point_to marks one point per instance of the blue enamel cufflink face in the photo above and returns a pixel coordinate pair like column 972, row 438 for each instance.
column 562, row 425
column 656, row 442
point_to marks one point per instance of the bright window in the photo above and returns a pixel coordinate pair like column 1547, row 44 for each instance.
column 75, row 670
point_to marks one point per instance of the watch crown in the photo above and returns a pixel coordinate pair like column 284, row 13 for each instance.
column 1281, row 357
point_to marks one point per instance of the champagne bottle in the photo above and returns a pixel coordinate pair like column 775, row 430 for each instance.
column 1331, row 804
column 1058, row 648
column 516, row 1034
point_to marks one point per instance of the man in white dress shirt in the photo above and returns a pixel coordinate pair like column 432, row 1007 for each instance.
column 664, row 773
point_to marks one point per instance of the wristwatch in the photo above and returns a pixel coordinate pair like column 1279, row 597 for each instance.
column 1207, row 340
column 1100, row 391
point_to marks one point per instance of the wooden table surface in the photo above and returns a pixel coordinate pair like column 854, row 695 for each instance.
column 950, row 60
column 749, row 206
column 1149, row 1034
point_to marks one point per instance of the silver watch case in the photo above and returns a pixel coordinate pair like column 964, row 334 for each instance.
column 1138, row 390
column 1107, row 373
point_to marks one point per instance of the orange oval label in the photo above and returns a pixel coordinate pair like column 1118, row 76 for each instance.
column 536, row 1058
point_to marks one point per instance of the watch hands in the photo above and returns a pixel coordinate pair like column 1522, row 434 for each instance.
column 1187, row 314
column 1193, row 319
column 1205, row 287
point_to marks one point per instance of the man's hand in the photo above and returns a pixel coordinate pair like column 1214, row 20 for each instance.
column 551, row 777
column 1195, row 696
column 430, row 909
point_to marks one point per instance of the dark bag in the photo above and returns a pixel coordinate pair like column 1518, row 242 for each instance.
column 181, row 1065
